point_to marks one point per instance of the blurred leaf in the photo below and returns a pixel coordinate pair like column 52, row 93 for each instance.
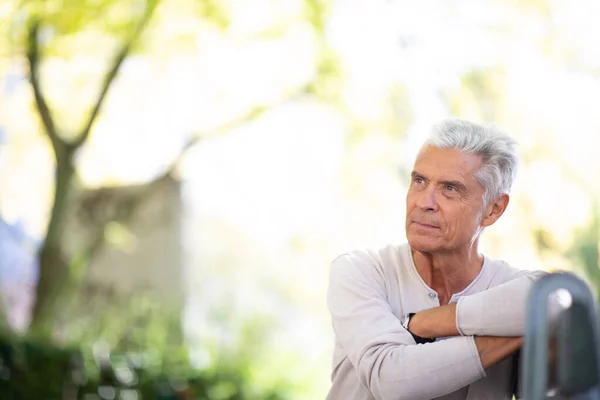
column 543, row 239
column 316, row 13
column 480, row 94
column 120, row 236
column 215, row 11
column 64, row 18
column 328, row 82
column 585, row 249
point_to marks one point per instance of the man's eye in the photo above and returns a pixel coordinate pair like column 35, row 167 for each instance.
column 450, row 188
column 418, row 180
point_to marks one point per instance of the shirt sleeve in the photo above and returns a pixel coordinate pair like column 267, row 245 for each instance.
column 385, row 356
column 499, row 311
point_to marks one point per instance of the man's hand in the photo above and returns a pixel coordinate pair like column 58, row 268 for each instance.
column 493, row 349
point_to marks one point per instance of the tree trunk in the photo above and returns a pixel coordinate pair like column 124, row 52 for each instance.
column 53, row 262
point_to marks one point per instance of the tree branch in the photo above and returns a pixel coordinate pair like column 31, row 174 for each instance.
column 113, row 72
column 33, row 57
column 251, row 115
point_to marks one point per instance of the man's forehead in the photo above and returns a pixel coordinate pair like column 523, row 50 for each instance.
column 447, row 161
column 440, row 175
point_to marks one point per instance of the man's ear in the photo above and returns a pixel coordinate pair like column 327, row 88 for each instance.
column 495, row 210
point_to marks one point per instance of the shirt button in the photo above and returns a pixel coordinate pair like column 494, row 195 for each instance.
column 432, row 295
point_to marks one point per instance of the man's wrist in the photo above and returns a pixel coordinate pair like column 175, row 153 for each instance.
column 406, row 320
column 435, row 322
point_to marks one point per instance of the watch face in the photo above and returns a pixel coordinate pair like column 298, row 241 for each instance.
column 404, row 321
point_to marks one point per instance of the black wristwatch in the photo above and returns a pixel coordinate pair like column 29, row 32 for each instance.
column 418, row 339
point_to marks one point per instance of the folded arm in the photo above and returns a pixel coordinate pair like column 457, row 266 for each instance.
column 499, row 311
column 384, row 354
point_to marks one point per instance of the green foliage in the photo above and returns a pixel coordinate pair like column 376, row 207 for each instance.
column 68, row 18
column 316, row 13
column 139, row 347
column 479, row 95
column 329, row 79
column 34, row 370
column 214, row 11
column 585, row 252
column 72, row 28
column 239, row 357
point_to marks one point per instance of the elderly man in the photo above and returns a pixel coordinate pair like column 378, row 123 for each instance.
column 434, row 318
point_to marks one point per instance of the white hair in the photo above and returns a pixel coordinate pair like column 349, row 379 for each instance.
column 498, row 152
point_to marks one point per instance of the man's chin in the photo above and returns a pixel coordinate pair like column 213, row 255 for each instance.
column 423, row 245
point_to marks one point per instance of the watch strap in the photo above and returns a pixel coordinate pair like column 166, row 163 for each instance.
column 418, row 339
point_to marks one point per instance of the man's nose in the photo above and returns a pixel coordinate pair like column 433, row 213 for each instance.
column 428, row 201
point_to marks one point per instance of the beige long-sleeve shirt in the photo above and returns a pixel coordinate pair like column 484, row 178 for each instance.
column 376, row 358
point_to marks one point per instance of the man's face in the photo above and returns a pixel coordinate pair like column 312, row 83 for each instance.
column 444, row 200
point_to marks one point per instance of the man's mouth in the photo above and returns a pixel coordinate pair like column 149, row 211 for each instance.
column 426, row 225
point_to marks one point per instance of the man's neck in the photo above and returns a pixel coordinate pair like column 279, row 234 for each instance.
column 448, row 273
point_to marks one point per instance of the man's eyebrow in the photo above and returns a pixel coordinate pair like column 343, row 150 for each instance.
column 459, row 185
column 415, row 174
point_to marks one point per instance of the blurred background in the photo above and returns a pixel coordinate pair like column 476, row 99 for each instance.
column 177, row 175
